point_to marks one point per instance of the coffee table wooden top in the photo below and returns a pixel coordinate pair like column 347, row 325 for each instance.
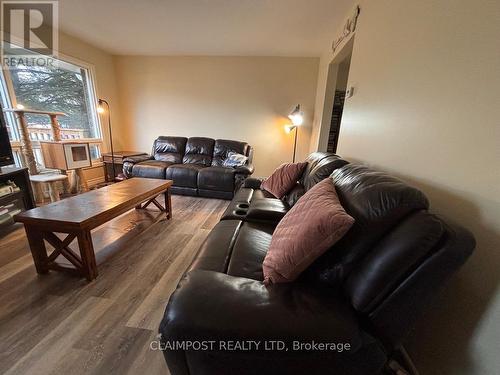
column 91, row 209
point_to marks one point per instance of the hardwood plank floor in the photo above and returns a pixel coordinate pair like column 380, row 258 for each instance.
column 59, row 323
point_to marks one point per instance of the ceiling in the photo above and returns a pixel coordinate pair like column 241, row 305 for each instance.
column 205, row 27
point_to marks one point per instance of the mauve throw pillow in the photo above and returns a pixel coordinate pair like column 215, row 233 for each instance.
column 313, row 225
column 283, row 179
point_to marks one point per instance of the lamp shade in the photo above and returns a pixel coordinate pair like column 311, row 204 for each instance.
column 296, row 116
column 100, row 108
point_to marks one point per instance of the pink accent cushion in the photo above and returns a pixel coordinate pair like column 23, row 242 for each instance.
column 283, row 179
column 313, row 225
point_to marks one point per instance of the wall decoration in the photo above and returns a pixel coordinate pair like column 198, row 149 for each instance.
column 348, row 29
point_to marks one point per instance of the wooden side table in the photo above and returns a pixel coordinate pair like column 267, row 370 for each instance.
column 118, row 163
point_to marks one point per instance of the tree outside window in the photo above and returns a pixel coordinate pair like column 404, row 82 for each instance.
column 64, row 87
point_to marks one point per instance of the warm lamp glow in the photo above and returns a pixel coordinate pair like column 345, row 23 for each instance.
column 297, row 116
column 289, row 128
column 20, row 106
column 100, row 106
column 297, row 119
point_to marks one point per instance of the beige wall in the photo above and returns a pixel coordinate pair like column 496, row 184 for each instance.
column 426, row 108
column 241, row 98
column 105, row 82
column 104, row 70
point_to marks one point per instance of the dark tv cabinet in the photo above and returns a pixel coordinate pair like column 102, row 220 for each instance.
column 21, row 178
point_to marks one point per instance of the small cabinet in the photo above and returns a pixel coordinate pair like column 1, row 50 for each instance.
column 16, row 194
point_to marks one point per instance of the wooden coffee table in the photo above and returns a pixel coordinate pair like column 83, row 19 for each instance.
column 78, row 215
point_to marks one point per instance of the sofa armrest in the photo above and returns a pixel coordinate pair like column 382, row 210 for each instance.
column 393, row 318
column 267, row 210
column 253, row 183
column 246, row 169
column 128, row 163
column 138, row 158
column 210, row 305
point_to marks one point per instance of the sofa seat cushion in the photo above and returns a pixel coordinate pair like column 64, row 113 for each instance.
column 184, row 175
column 217, row 178
column 215, row 252
column 150, row 169
column 236, row 248
column 249, row 250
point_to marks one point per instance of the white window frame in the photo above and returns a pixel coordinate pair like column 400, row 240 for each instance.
column 9, row 99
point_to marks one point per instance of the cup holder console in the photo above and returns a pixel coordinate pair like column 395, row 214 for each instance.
column 241, row 209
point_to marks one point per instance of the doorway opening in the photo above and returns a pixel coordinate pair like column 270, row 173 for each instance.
column 335, row 95
column 338, row 103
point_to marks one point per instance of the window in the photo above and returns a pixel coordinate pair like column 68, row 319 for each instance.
column 64, row 87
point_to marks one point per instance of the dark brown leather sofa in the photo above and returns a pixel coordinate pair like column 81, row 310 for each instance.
column 253, row 204
column 196, row 165
column 366, row 291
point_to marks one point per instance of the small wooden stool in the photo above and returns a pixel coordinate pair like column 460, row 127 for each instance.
column 51, row 180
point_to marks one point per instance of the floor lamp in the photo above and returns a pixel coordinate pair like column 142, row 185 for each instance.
column 101, row 110
column 297, row 118
column 289, row 129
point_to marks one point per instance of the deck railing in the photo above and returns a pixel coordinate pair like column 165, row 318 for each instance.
column 44, row 133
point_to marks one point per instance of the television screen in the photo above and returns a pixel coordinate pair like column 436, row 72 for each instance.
column 6, row 157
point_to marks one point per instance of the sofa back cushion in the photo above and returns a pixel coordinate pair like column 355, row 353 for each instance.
column 377, row 202
column 312, row 160
column 170, row 149
column 320, row 165
column 199, row 150
column 223, row 147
